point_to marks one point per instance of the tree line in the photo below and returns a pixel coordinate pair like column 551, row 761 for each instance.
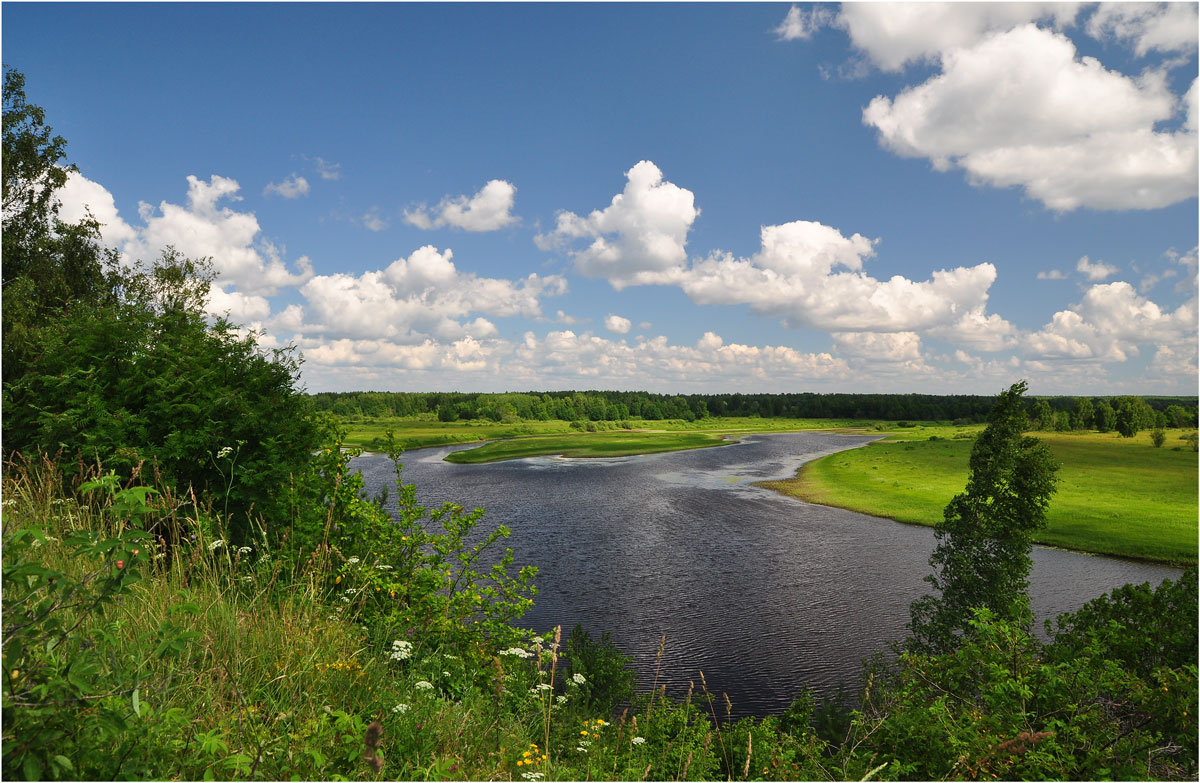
column 1046, row 413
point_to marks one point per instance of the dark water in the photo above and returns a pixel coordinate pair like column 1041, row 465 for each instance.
column 762, row 592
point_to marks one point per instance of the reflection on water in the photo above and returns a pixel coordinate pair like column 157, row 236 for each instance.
column 762, row 592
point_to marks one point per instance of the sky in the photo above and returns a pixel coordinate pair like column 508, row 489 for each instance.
column 679, row 198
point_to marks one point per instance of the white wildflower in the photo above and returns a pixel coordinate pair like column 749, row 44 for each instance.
column 538, row 640
column 561, row 700
column 214, row 546
column 578, row 678
column 639, row 740
column 383, row 567
column 352, row 560
column 423, row 685
column 400, row 708
column 345, row 600
column 533, row 775
column 224, row 452
column 243, row 550
column 517, row 651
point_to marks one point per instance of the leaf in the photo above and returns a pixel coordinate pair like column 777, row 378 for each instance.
column 137, row 703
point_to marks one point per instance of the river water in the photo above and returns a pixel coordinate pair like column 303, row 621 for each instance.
column 764, row 593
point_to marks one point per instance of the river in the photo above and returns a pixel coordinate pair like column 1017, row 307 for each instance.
column 764, row 593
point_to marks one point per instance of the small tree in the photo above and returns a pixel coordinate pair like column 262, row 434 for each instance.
column 1158, row 438
column 982, row 557
column 1106, row 417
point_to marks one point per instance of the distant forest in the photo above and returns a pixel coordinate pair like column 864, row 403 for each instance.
column 620, row 405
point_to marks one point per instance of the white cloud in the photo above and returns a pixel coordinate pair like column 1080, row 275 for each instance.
column 1094, row 272
column 326, row 169
column 294, row 186
column 811, row 275
column 201, row 229
column 896, row 34
column 488, row 210
column 373, row 221
column 800, row 25
column 638, row 239
column 237, row 307
column 880, row 346
column 978, row 330
column 80, row 196
column 1020, row 108
column 1164, row 27
column 617, row 324
column 413, row 299
column 1053, row 274
column 1110, row 324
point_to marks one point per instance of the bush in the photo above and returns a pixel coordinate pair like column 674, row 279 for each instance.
column 1158, row 438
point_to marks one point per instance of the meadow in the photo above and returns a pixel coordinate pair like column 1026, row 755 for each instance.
column 1116, row 496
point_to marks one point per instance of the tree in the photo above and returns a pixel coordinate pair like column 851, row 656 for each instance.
column 1082, row 414
column 48, row 265
column 1158, row 438
column 120, row 363
column 1105, row 417
column 1043, row 415
column 1133, row 414
column 982, row 558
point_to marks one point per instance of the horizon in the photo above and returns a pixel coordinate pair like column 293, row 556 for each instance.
column 677, row 199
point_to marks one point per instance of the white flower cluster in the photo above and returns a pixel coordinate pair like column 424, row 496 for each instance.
column 639, row 740
column 517, row 651
column 224, row 452
column 401, row 650
column 423, row 685
column 537, row 689
column 583, row 746
column 578, row 678
column 352, row 561
column 400, row 708
column 561, row 700
column 244, row 550
column 383, row 567
column 533, row 775
column 214, row 546
column 538, row 640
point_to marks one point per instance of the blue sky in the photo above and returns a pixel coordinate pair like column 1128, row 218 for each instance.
column 672, row 197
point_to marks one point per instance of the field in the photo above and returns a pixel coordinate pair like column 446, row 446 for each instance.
column 416, row 433
column 1116, row 496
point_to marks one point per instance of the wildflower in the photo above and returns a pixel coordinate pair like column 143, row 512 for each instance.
column 538, row 640
column 400, row 708
column 561, row 700
column 224, row 452
column 383, row 567
column 243, row 550
column 352, row 561
column 446, row 674
column 639, row 740
column 423, row 685
column 215, row 545
column 532, row 775
column 578, row 678
column 517, row 651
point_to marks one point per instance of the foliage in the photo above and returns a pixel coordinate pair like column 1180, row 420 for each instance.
column 1105, row 417
column 1132, row 414
column 111, row 363
column 607, row 672
column 1158, row 437
column 987, row 532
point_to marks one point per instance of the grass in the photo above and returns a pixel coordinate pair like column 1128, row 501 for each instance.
column 1116, row 496
column 588, row 444
column 416, row 433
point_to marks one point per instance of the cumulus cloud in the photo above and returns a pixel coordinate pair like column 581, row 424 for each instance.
column 800, row 24
column 1163, row 27
column 294, row 186
column 1021, row 108
column 80, row 197
column 894, row 35
column 617, row 325
column 413, row 299
column 202, row 228
column 640, row 238
column 810, row 274
column 488, row 210
column 880, row 346
column 1053, row 274
column 1094, row 271
column 1109, row 324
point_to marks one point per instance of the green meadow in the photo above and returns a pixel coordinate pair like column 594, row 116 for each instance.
column 1116, row 496
column 588, row 444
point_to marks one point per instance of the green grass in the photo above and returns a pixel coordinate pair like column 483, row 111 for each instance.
column 588, row 444
column 1116, row 496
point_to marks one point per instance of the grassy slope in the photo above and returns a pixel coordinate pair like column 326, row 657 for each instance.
column 1116, row 496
